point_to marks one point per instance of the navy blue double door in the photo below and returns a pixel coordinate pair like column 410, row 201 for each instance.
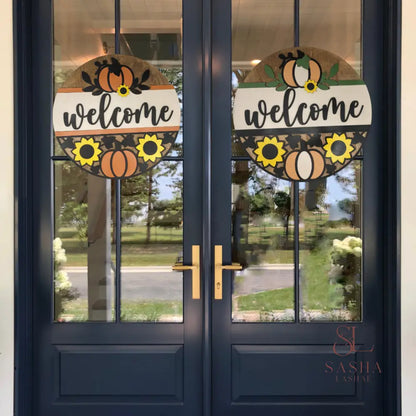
column 214, row 362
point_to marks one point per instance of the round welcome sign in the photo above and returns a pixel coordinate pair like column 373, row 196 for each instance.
column 116, row 116
column 302, row 114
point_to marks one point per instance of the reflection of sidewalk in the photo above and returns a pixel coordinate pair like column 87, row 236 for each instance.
column 137, row 283
column 277, row 266
column 127, row 269
column 264, row 277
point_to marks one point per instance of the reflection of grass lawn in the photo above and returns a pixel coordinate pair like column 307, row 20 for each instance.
column 318, row 293
column 149, row 311
column 166, row 245
column 154, row 255
column 270, row 300
column 77, row 310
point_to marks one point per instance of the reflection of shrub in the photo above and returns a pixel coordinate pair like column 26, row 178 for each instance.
column 64, row 292
column 346, row 271
column 76, row 214
column 317, row 293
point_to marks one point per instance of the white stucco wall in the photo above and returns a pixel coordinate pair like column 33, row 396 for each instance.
column 6, row 210
column 409, row 209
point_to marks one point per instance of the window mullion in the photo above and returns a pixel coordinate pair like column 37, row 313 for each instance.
column 117, row 188
column 296, row 249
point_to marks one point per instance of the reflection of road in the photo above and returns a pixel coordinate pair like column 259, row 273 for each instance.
column 160, row 283
column 138, row 283
column 260, row 278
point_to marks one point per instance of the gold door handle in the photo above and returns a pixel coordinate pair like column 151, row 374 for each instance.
column 219, row 267
column 195, row 267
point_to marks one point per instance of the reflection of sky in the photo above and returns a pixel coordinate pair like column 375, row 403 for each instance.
column 234, row 80
column 165, row 182
column 335, row 191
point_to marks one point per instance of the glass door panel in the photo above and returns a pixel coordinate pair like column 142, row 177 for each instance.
column 83, row 273
column 259, row 30
column 152, row 241
column 262, row 206
column 151, row 205
column 333, row 25
column 262, row 242
column 331, row 247
column 83, row 245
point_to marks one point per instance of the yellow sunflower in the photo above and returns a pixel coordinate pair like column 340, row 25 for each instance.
column 310, row 86
column 269, row 151
column 338, row 148
column 86, row 151
column 123, row 90
column 150, row 148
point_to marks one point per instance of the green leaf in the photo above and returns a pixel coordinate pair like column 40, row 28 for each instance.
column 274, row 83
column 323, row 86
column 282, row 87
column 269, row 71
column 334, row 70
column 331, row 82
column 280, row 78
column 303, row 62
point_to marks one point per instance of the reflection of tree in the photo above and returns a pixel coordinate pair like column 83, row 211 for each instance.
column 348, row 206
column 167, row 213
column 138, row 194
column 71, row 208
column 174, row 76
column 142, row 192
column 259, row 200
column 134, row 194
column 350, row 181
column 282, row 202
column 260, row 204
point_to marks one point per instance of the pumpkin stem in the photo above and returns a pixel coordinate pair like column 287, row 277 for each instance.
column 300, row 54
column 303, row 145
column 289, row 57
column 285, row 59
column 115, row 67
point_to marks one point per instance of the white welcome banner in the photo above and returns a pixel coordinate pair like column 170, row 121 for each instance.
column 82, row 113
column 265, row 108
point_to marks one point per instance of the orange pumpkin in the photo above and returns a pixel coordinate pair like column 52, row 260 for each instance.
column 111, row 76
column 304, row 165
column 118, row 163
column 296, row 76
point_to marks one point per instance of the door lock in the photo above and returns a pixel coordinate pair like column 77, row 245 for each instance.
column 219, row 267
